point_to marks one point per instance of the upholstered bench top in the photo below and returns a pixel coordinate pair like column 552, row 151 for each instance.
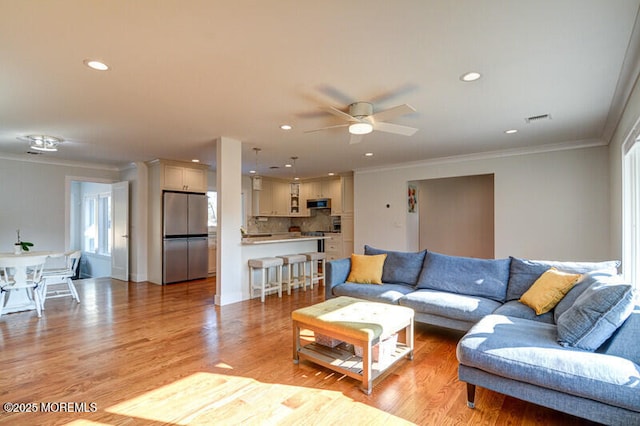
column 293, row 258
column 356, row 318
column 315, row 255
column 265, row 262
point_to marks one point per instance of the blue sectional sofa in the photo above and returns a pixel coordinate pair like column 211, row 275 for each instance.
column 582, row 357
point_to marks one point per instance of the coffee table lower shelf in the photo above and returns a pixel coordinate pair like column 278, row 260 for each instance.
column 343, row 359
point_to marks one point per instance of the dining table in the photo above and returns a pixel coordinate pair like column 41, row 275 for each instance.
column 20, row 299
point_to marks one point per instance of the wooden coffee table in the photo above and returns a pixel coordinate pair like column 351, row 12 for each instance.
column 356, row 323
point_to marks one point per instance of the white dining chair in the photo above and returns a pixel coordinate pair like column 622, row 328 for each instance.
column 29, row 279
column 59, row 282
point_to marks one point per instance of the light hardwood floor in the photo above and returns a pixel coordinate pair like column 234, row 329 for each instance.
column 138, row 353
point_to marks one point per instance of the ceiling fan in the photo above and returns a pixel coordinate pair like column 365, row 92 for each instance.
column 361, row 120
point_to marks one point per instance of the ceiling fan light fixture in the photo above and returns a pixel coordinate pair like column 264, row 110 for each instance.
column 361, row 128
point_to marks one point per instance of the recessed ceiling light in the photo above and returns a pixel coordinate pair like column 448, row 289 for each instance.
column 195, row 160
column 286, row 127
column 331, row 174
column 511, row 131
column 96, row 65
column 470, row 76
column 368, row 154
column 253, row 172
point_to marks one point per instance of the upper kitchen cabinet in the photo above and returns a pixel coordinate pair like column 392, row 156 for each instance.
column 273, row 199
column 177, row 176
column 324, row 188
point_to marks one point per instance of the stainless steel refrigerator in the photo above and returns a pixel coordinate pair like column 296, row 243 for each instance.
column 185, row 248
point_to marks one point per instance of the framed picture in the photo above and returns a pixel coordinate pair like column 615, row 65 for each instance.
column 412, row 198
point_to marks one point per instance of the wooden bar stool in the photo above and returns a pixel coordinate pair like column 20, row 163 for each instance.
column 264, row 264
column 316, row 274
column 297, row 262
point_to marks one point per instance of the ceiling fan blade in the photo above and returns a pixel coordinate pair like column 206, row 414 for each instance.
column 341, row 114
column 394, row 128
column 355, row 139
column 393, row 112
column 326, row 128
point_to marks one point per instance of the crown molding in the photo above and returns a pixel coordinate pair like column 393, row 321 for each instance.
column 28, row 158
column 562, row 146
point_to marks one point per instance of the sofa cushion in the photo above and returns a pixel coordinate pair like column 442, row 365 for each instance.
column 548, row 290
column 366, row 269
column 523, row 273
column 583, row 283
column 527, row 351
column 595, row 315
column 623, row 343
column 465, row 275
column 399, row 267
column 387, row 293
column 515, row 308
column 450, row 305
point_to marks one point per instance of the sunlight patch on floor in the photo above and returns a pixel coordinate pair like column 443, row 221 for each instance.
column 208, row 398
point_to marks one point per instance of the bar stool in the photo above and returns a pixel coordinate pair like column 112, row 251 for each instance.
column 297, row 261
column 315, row 275
column 264, row 264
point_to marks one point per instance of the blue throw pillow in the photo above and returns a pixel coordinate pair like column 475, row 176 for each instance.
column 623, row 343
column 465, row 275
column 584, row 283
column 523, row 273
column 399, row 267
column 595, row 315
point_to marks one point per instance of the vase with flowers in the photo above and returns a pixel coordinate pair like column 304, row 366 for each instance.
column 20, row 245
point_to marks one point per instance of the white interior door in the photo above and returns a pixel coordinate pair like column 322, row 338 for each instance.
column 120, row 229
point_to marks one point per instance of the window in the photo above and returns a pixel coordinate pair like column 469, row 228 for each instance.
column 97, row 223
column 631, row 211
column 212, row 197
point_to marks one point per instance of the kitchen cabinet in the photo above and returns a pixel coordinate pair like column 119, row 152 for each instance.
column 183, row 177
column 273, row 200
column 212, row 255
column 333, row 246
column 346, row 226
column 324, row 188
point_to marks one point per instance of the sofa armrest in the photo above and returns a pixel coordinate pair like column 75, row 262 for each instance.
column 336, row 273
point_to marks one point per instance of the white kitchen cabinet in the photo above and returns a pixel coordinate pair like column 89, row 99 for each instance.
column 324, row 188
column 346, row 226
column 273, row 200
column 333, row 246
column 183, row 177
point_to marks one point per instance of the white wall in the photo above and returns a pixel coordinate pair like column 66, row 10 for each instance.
column 551, row 205
column 33, row 200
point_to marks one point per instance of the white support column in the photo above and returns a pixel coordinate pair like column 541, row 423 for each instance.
column 229, row 267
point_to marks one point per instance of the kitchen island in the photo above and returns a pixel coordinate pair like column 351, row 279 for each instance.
column 272, row 245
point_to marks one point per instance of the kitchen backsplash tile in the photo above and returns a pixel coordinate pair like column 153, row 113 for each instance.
column 319, row 221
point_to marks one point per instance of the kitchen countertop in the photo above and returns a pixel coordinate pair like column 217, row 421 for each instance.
column 279, row 238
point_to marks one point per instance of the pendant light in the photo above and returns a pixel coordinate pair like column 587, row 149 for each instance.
column 256, row 180
column 295, row 184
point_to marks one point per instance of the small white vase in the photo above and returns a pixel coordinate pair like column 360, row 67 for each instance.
column 17, row 249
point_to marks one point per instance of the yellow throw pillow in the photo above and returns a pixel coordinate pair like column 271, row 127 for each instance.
column 366, row 269
column 548, row 290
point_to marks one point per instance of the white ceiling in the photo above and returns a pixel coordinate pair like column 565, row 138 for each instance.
column 184, row 73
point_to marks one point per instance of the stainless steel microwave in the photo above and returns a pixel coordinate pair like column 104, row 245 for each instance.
column 319, row 203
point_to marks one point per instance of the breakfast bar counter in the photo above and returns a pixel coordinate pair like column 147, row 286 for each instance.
column 272, row 245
